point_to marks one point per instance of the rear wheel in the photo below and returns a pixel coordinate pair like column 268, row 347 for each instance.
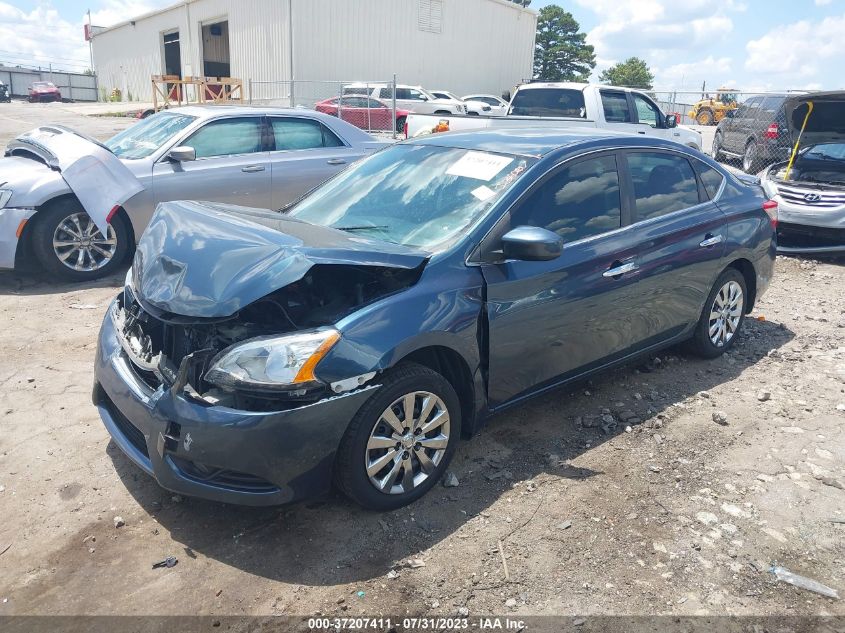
column 69, row 245
column 400, row 124
column 722, row 316
column 402, row 439
column 717, row 147
column 751, row 158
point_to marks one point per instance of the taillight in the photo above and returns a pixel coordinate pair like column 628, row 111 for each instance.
column 772, row 131
column 771, row 209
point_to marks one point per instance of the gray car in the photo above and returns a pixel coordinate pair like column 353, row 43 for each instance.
column 77, row 207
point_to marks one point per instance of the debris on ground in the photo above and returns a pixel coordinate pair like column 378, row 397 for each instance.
column 170, row 561
column 119, row 522
column 450, row 480
column 720, row 417
column 802, row 582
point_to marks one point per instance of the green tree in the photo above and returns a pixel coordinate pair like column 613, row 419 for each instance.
column 524, row 3
column 633, row 73
column 561, row 52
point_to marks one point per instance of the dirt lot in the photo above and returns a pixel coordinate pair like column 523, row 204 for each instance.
column 620, row 496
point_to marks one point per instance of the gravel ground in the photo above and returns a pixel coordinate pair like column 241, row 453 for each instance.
column 623, row 495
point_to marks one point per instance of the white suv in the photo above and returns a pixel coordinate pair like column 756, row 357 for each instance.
column 412, row 98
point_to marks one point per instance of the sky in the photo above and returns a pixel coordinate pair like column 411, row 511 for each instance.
column 746, row 44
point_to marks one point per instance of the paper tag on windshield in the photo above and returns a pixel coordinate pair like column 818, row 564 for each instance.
column 479, row 165
column 483, row 193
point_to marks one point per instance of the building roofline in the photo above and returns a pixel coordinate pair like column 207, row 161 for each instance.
column 182, row 3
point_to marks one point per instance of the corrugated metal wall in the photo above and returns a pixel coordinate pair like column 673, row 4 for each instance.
column 74, row 86
column 482, row 45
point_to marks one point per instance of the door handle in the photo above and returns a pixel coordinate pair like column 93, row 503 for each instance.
column 616, row 271
column 336, row 161
column 711, row 240
column 252, row 168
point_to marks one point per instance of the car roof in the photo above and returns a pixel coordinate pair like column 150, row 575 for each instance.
column 533, row 142
column 208, row 111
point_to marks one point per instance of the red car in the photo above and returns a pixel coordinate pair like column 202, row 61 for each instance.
column 44, row 91
column 363, row 112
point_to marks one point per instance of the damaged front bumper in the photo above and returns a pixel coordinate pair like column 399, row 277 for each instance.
column 217, row 452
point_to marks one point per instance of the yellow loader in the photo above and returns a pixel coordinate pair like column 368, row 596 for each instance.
column 710, row 111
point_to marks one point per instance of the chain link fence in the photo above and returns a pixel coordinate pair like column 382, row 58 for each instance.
column 369, row 105
column 747, row 127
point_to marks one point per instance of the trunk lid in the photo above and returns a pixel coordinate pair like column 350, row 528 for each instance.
column 206, row 260
column 97, row 177
column 826, row 123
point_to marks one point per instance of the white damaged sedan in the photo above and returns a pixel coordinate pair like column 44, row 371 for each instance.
column 76, row 207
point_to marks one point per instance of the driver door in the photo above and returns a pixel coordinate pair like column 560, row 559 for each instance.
column 551, row 320
column 232, row 165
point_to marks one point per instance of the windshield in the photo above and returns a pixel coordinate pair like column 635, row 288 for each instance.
column 146, row 136
column 43, row 84
column 549, row 102
column 826, row 151
column 417, row 195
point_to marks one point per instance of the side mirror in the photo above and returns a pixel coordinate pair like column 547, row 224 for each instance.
column 671, row 121
column 423, row 98
column 506, row 96
column 531, row 244
column 182, row 154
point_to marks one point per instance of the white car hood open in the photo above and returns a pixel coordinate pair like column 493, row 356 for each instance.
column 97, row 177
column 826, row 123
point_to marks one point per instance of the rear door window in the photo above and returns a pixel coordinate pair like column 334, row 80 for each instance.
column 552, row 102
column 615, row 105
column 579, row 201
column 291, row 133
column 710, row 178
column 663, row 183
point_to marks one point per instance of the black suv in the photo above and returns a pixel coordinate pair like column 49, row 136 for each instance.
column 756, row 132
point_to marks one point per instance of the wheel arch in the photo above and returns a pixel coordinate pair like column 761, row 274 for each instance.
column 749, row 273
column 25, row 257
column 450, row 364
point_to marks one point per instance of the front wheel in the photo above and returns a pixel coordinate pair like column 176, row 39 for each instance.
column 69, row 245
column 705, row 117
column 402, row 439
column 722, row 316
column 400, row 125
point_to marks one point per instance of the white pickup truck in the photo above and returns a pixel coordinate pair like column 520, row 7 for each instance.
column 566, row 104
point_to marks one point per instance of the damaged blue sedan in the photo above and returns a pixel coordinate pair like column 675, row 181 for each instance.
column 356, row 337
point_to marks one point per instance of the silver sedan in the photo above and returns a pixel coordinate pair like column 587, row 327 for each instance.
column 78, row 206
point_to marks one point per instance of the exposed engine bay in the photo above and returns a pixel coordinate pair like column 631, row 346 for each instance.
column 176, row 351
column 822, row 164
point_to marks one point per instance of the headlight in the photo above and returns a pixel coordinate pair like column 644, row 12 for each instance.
column 272, row 363
column 5, row 196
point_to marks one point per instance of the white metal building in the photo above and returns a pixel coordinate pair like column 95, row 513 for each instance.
column 459, row 45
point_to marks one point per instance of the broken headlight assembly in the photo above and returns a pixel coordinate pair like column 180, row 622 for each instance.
column 272, row 363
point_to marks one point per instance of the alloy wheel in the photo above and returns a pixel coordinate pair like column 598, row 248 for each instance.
column 725, row 314
column 748, row 158
column 407, row 443
column 81, row 246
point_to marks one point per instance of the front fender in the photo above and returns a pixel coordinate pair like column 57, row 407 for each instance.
column 443, row 309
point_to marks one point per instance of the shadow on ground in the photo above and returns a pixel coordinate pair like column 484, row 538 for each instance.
column 332, row 541
column 36, row 282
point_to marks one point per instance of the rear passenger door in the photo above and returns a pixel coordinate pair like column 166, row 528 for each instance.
column 736, row 132
column 680, row 235
column 304, row 153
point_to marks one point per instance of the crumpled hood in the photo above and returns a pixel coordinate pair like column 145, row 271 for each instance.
column 97, row 177
column 206, row 260
column 826, row 123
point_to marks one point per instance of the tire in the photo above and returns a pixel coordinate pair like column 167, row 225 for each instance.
column 716, row 153
column 400, row 124
column 724, row 291
column 353, row 455
column 442, row 112
column 54, row 223
column 751, row 158
column 704, row 117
